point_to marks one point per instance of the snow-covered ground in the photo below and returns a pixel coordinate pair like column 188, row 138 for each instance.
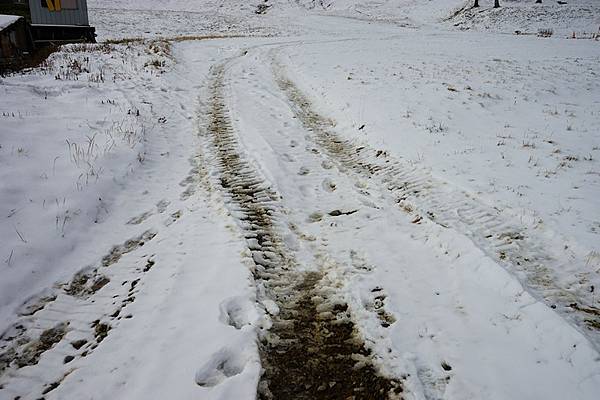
column 515, row 122
column 578, row 18
column 117, row 19
column 98, row 170
column 166, row 205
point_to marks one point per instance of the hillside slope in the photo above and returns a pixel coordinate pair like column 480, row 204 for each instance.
column 178, row 17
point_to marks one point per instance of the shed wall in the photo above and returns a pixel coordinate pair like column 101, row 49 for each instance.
column 41, row 15
column 14, row 42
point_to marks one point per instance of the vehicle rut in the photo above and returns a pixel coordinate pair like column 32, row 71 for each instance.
column 312, row 350
column 512, row 245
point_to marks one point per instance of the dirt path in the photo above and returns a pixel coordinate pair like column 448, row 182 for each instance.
column 312, row 350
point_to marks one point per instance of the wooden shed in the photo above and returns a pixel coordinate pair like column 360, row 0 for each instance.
column 15, row 42
column 60, row 21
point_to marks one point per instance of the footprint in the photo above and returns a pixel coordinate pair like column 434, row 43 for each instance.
column 36, row 302
column 377, row 305
column 222, row 365
column 327, row 165
column 434, row 383
column 361, row 184
column 237, row 312
column 287, row 157
column 187, row 193
column 86, row 283
column 162, row 205
column 130, row 245
column 329, row 185
column 31, row 352
column 315, row 217
column 303, row 171
column 140, row 218
column 173, row 218
column 360, row 263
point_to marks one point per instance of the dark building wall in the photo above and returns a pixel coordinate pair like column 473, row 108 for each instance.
column 14, row 42
column 15, row 7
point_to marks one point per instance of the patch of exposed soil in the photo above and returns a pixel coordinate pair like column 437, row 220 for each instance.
column 318, row 355
column 130, row 245
column 86, row 283
column 25, row 351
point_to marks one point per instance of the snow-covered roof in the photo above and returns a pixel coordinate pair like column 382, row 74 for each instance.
column 7, row 20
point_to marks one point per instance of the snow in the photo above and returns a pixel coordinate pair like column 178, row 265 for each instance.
column 55, row 187
column 136, row 197
column 7, row 20
column 442, row 180
column 515, row 122
column 453, row 302
column 116, row 19
column 579, row 17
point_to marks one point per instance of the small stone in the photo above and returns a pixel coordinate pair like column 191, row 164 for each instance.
column 77, row 344
column 446, row 366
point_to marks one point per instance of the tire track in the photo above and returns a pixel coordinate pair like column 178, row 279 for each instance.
column 312, row 351
column 512, row 245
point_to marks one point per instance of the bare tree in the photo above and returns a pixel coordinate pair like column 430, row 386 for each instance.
column 476, row 4
column 496, row 3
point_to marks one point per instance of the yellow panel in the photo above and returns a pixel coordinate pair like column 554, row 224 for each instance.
column 50, row 5
column 57, row 5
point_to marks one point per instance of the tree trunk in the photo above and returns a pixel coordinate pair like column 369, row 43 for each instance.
column 476, row 4
column 496, row 3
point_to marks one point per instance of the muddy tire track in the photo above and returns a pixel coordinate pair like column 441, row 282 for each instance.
column 512, row 245
column 312, row 350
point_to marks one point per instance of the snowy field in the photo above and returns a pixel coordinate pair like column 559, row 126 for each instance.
column 118, row 19
column 327, row 200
